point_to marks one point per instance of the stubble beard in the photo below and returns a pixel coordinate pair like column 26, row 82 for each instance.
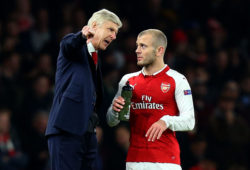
column 148, row 61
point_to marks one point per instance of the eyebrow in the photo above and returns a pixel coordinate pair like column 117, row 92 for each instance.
column 113, row 29
column 141, row 44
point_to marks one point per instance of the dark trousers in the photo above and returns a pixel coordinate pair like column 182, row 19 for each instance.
column 72, row 152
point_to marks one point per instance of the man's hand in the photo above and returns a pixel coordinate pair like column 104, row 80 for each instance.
column 156, row 130
column 118, row 104
column 88, row 32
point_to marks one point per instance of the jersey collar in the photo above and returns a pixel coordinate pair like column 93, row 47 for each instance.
column 154, row 74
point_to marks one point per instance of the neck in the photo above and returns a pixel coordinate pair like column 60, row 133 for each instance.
column 95, row 43
column 152, row 68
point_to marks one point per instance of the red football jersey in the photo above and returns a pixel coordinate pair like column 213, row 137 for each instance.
column 164, row 95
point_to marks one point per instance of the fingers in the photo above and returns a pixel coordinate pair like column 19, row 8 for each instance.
column 88, row 32
column 118, row 104
column 159, row 134
column 156, row 130
column 149, row 131
column 153, row 134
column 85, row 30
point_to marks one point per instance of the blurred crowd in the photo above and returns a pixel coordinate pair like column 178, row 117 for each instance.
column 208, row 42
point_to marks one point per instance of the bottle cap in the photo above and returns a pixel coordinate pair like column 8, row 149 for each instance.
column 127, row 87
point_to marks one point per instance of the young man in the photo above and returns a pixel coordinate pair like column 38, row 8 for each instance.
column 71, row 127
column 161, row 104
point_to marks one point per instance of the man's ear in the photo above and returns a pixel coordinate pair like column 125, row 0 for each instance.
column 94, row 25
column 160, row 51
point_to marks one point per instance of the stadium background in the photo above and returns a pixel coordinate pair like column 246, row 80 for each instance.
column 208, row 41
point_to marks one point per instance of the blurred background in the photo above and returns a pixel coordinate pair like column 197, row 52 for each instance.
column 208, row 42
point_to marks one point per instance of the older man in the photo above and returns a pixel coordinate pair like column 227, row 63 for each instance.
column 71, row 127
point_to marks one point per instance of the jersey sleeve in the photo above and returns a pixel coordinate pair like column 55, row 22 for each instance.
column 112, row 116
column 185, row 120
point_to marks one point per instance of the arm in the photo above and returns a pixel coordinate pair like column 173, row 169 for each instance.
column 112, row 117
column 118, row 101
column 117, row 104
column 71, row 43
column 185, row 121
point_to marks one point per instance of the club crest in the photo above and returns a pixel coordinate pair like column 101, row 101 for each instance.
column 165, row 87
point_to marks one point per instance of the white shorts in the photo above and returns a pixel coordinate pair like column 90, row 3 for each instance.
column 151, row 166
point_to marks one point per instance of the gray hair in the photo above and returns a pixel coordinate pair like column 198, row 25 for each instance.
column 104, row 15
column 159, row 38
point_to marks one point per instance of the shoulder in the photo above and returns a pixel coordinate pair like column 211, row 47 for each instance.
column 175, row 75
column 74, row 35
column 126, row 77
column 180, row 80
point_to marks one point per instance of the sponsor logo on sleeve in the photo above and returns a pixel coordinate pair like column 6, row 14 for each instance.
column 187, row 92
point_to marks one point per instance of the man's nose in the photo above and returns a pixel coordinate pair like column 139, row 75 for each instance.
column 137, row 50
column 113, row 36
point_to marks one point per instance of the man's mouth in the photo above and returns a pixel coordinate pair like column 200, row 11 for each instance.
column 107, row 42
column 139, row 58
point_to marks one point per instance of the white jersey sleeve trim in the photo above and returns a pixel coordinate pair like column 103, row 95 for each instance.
column 185, row 120
column 112, row 116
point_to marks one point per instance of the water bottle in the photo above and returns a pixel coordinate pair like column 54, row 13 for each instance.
column 127, row 95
